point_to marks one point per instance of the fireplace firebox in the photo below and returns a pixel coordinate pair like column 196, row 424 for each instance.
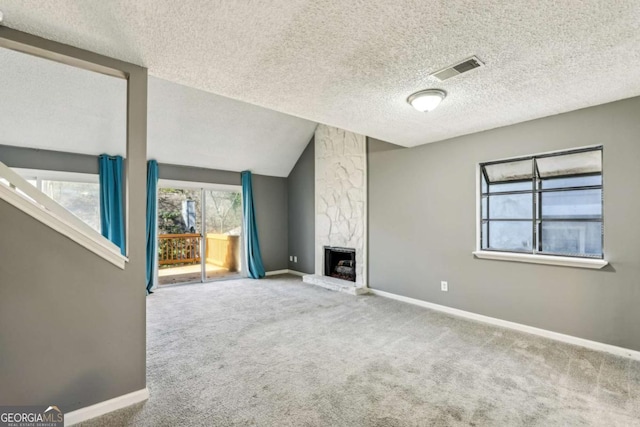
column 340, row 263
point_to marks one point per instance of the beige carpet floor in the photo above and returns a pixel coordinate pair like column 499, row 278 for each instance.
column 277, row 352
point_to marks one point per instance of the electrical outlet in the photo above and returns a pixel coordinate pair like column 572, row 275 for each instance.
column 290, row 257
column 444, row 286
column 295, row 259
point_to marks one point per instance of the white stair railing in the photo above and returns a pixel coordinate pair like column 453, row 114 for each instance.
column 35, row 203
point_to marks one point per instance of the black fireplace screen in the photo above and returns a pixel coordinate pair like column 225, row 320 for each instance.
column 340, row 263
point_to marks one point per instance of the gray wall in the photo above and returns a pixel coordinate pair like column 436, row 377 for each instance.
column 422, row 223
column 301, row 183
column 270, row 199
column 186, row 173
column 30, row 158
column 72, row 325
column 270, row 193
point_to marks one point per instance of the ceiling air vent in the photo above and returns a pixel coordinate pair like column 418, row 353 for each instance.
column 459, row 68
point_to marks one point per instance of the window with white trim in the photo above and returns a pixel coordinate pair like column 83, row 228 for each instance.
column 549, row 204
column 80, row 198
column 79, row 193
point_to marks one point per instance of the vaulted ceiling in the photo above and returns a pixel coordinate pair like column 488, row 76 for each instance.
column 52, row 106
column 352, row 64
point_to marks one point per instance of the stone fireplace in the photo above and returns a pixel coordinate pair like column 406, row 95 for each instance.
column 341, row 210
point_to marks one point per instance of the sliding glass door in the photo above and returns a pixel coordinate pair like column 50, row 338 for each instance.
column 199, row 233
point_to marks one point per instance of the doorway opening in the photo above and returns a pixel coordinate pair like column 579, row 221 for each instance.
column 199, row 232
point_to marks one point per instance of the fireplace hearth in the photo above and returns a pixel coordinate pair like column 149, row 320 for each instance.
column 340, row 263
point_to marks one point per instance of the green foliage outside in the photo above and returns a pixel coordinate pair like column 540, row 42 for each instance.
column 223, row 216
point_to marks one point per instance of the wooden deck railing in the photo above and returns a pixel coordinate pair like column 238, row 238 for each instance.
column 178, row 249
column 223, row 251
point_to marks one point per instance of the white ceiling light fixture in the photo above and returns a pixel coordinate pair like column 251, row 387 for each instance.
column 427, row 100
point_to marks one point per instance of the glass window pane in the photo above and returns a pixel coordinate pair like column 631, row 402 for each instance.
column 80, row 198
column 484, row 207
column 511, row 186
column 224, row 212
column 572, row 238
column 570, row 164
column 576, row 181
column 509, row 171
column 578, row 204
column 485, row 241
column 511, row 235
column 511, row 206
column 171, row 218
column 223, row 220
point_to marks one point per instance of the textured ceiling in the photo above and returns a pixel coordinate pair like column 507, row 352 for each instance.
column 352, row 64
column 52, row 106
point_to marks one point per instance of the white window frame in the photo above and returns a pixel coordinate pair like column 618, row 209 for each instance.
column 557, row 260
column 40, row 175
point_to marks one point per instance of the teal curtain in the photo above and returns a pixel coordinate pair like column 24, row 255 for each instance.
column 251, row 244
column 111, row 199
column 152, row 221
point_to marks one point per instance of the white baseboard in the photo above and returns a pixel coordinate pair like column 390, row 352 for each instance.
column 89, row 412
column 285, row 271
column 593, row 345
column 276, row 272
column 297, row 273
